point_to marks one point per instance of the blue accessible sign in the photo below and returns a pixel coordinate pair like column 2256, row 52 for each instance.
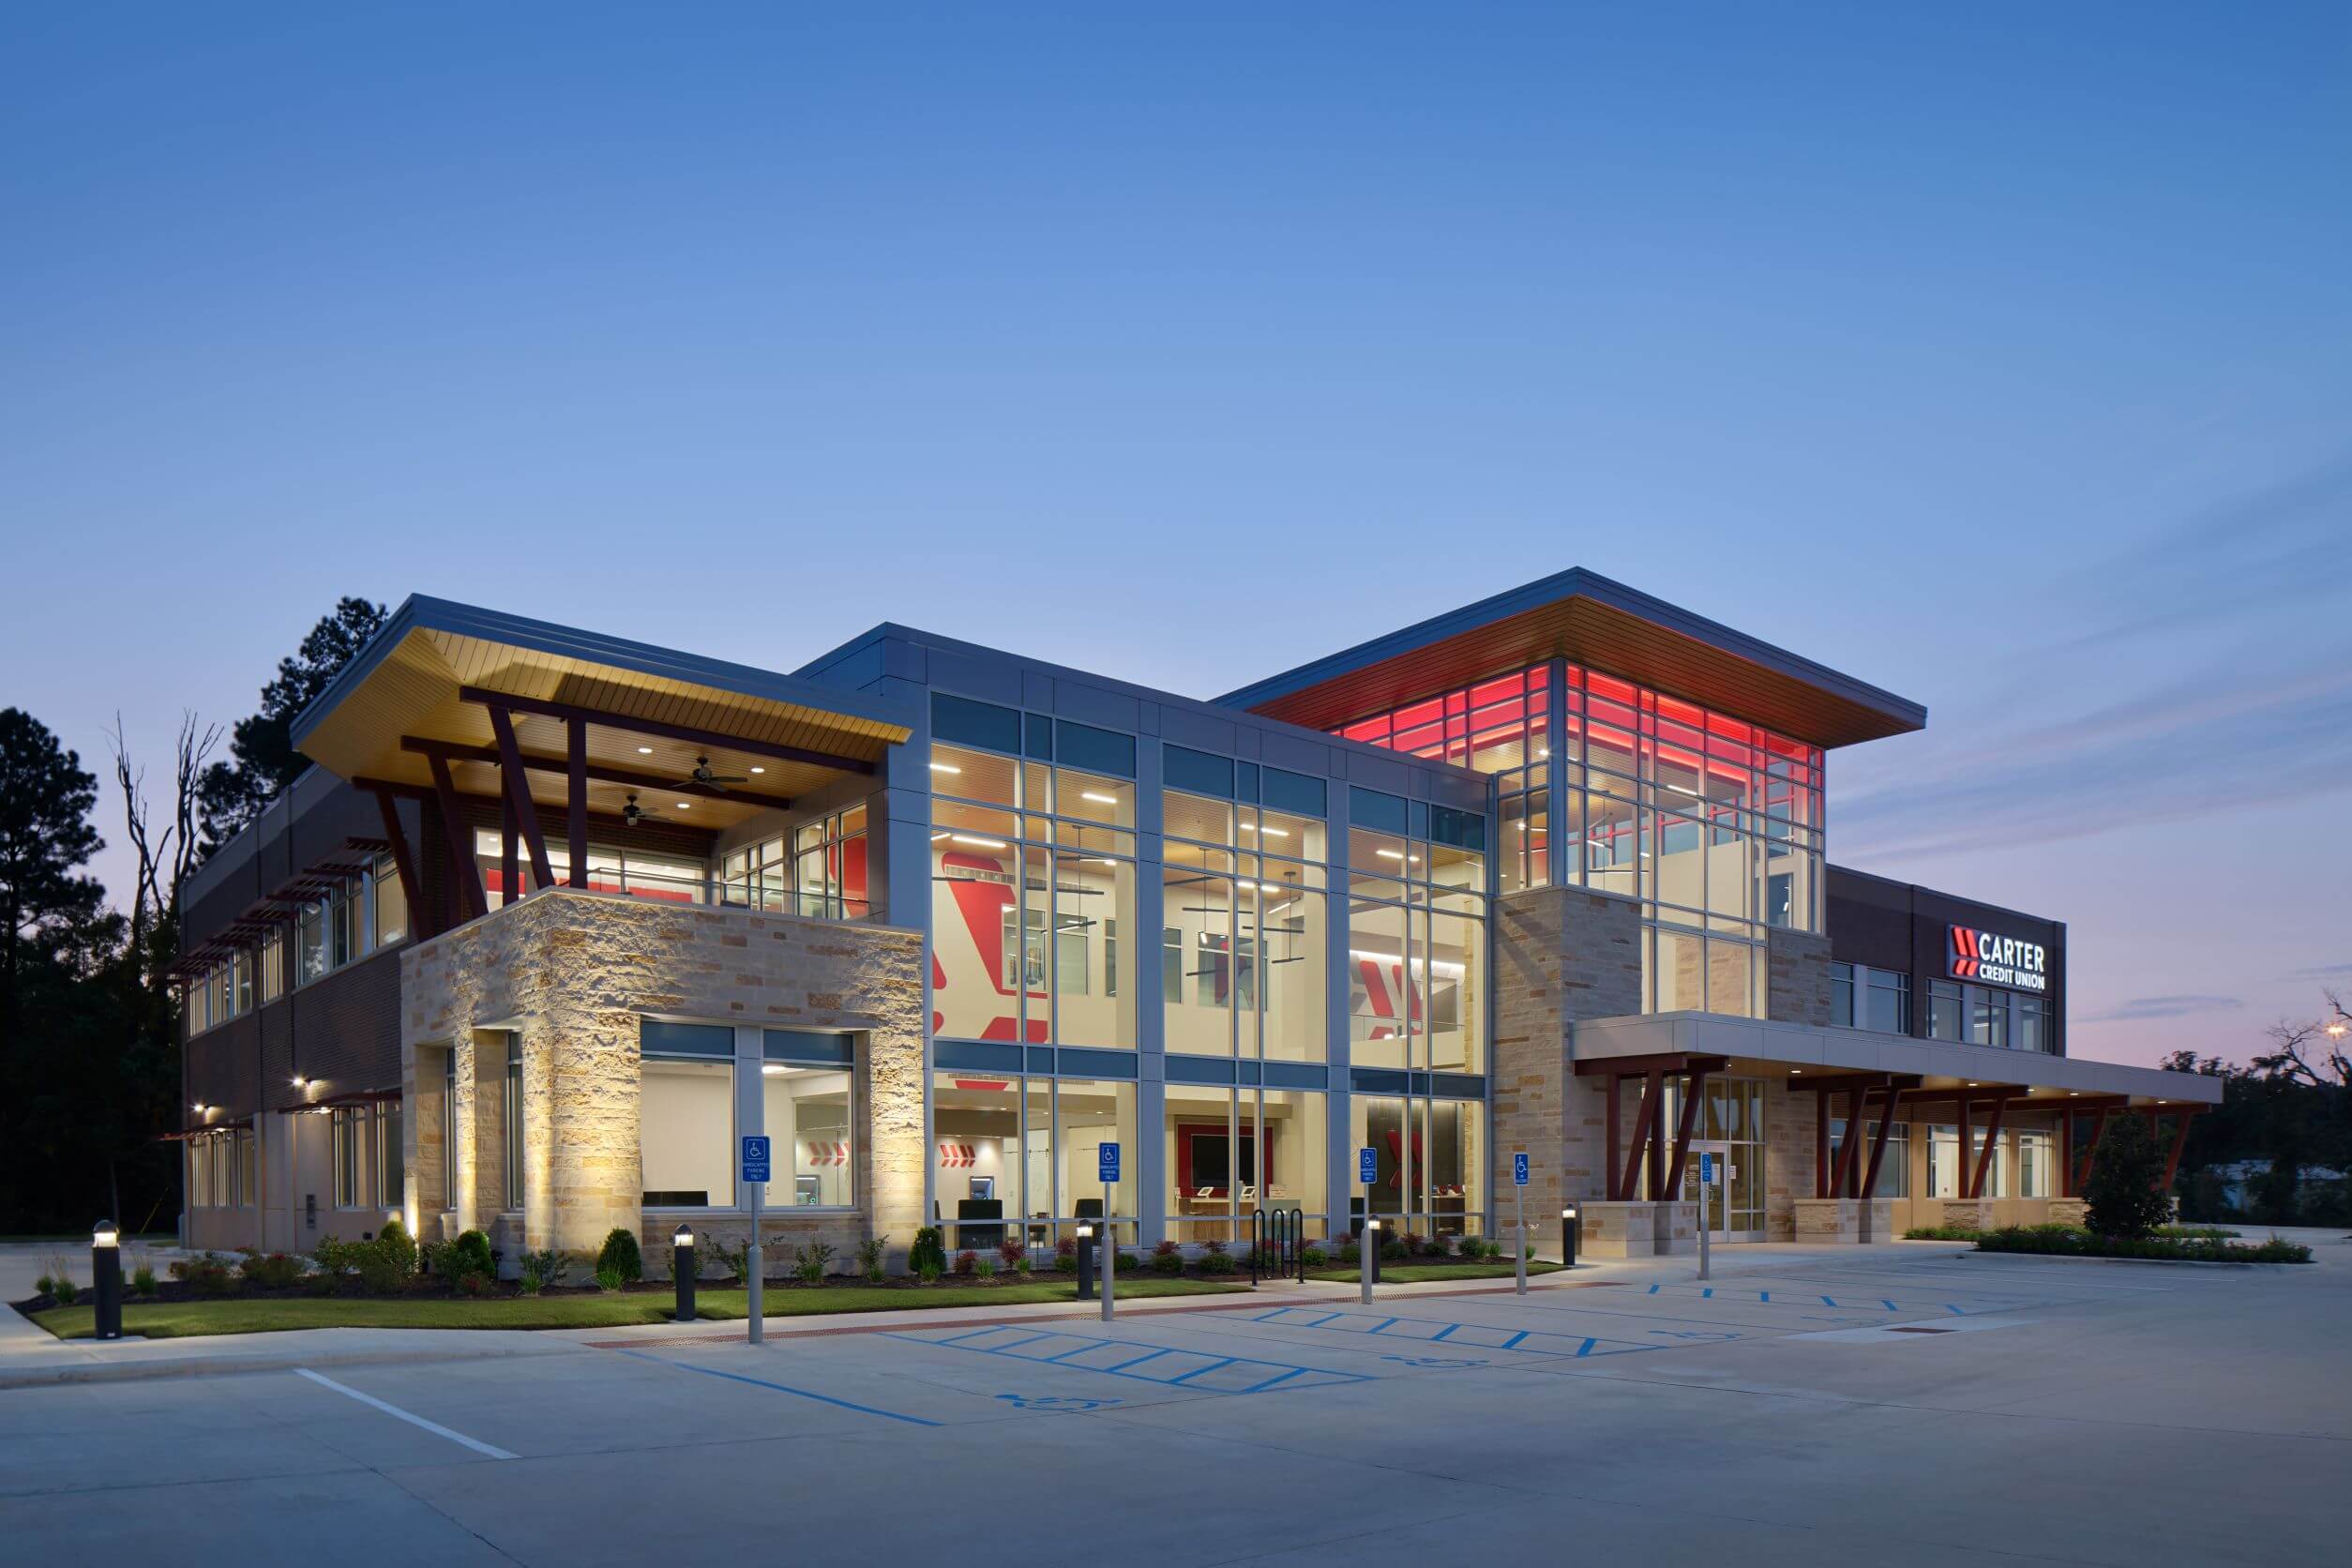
column 1107, row 1162
column 1518, row 1170
column 1706, row 1169
column 1367, row 1167
column 755, row 1158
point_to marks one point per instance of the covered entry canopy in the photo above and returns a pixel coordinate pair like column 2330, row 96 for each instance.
column 429, row 688
column 1867, row 1078
column 450, row 700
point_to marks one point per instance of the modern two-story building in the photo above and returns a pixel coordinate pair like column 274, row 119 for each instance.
column 558, row 916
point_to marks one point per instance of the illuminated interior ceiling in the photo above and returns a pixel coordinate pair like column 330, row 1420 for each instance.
column 418, row 691
column 1581, row 616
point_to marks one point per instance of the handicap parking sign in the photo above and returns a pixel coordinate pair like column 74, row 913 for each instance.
column 1706, row 1169
column 1107, row 1162
column 1518, row 1170
column 1367, row 1167
column 755, row 1158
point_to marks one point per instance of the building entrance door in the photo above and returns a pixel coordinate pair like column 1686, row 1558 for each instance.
column 1735, row 1204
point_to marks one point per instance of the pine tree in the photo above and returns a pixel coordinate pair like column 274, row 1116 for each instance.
column 45, row 838
column 2125, row 1196
column 260, row 747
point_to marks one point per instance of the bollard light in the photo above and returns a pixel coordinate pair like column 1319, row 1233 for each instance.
column 1368, row 1258
column 106, row 1270
column 681, row 1271
column 1571, row 1231
column 1086, row 1262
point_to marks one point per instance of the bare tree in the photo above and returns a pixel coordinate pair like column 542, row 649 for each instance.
column 166, row 857
column 2313, row 1050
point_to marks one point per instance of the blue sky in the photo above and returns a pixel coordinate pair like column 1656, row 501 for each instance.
column 1999, row 354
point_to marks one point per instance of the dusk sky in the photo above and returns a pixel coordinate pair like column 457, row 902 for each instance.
column 2000, row 356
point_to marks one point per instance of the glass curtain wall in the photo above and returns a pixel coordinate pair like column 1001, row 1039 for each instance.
column 1417, row 983
column 1034, row 894
column 817, row 869
column 1015, row 1159
column 1713, row 823
column 1229, row 1153
column 1243, row 930
column 1430, row 1155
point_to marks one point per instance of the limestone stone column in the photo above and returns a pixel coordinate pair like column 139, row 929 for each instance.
column 581, row 1094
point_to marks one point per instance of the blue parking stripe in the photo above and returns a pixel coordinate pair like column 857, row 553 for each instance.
column 1443, row 1331
column 782, row 1388
column 1221, row 1362
column 1031, row 1340
column 1319, row 1322
column 1763, row 1295
column 1586, row 1349
column 1956, row 1312
column 1282, row 1376
column 1826, row 1301
column 1515, row 1339
column 1708, row 1294
column 1125, row 1364
column 1889, row 1305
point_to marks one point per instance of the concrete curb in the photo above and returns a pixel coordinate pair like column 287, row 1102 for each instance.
column 150, row 1369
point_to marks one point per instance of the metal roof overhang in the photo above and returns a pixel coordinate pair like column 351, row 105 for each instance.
column 1587, row 618
column 425, row 684
column 1942, row 1068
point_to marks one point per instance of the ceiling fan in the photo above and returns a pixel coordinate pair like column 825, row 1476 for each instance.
column 709, row 781
column 633, row 813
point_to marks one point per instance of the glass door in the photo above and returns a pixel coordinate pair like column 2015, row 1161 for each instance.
column 1717, row 1196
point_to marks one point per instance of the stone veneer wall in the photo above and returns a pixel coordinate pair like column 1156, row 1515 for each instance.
column 1790, row 1115
column 1797, row 977
column 1561, row 954
column 573, row 972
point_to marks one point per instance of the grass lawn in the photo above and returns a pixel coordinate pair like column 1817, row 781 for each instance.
column 1421, row 1274
column 176, row 1320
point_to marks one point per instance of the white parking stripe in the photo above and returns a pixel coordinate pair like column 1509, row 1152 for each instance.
column 432, row 1426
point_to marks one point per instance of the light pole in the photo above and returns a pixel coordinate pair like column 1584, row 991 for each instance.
column 106, row 1270
column 682, row 1269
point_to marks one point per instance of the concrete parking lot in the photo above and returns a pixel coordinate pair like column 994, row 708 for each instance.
column 1899, row 1405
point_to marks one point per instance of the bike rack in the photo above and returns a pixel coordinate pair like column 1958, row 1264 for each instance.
column 1282, row 1232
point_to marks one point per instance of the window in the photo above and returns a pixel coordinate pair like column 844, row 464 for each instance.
column 1943, row 1162
column 248, row 1184
column 1430, row 1158
column 1015, row 1159
column 1841, row 995
column 1889, row 1002
column 806, row 1101
column 273, row 962
column 1033, row 876
column 349, row 1128
column 1895, row 1169
column 1229, row 1153
column 1243, row 933
column 1947, row 1011
column 673, row 878
column 391, row 903
column 1713, row 823
column 512, row 1164
column 2033, row 1165
column 2031, row 1015
column 1417, row 981
column 1988, row 1017
column 391, row 1157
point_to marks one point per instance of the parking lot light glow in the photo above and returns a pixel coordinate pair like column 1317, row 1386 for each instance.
column 105, row 1233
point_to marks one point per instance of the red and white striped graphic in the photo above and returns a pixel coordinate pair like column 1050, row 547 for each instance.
column 828, row 1153
column 956, row 1156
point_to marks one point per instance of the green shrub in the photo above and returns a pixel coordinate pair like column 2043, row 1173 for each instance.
column 931, row 1249
column 475, row 1285
column 870, row 1254
column 1940, row 1233
column 1168, row 1258
column 1393, row 1250
column 1315, row 1258
column 398, row 1249
column 1218, row 1264
column 608, row 1278
column 62, row 1289
column 2069, row 1242
column 142, row 1280
column 619, row 1253
column 271, row 1271
column 541, row 1270
column 734, row 1261
column 40, row 1286
column 2125, row 1196
column 810, row 1261
column 1066, row 1262
column 929, row 1269
column 471, row 1254
column 984, row 1267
